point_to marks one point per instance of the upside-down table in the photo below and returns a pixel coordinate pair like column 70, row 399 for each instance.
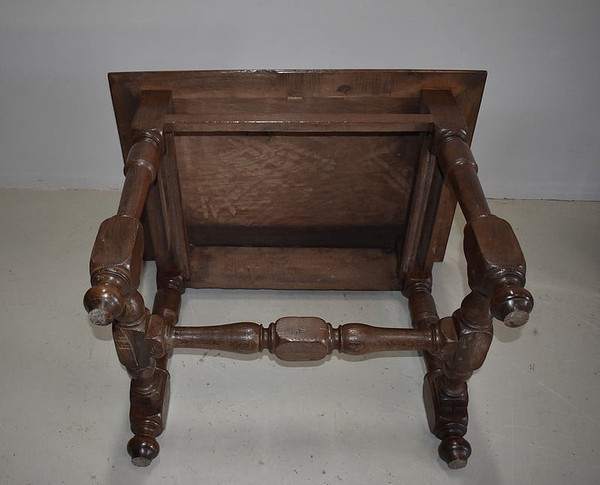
column 321, row 180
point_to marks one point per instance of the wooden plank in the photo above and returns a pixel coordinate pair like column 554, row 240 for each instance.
column 316, row 83
column 292, row 268
column 293, row 122
column 296, row 181
column 126, row 88
column 356, row 236
column 317, row 181
column 442, row 208
column 170, row 200
column 420, row 195
column 296, row 104
column 154, row 229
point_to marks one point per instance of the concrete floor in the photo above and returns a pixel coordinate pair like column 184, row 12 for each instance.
column 63, row 404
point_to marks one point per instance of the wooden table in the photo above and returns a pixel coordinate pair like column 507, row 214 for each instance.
column 327, row 180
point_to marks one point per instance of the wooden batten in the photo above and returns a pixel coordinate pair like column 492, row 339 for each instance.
column 186, row 124
column 292, row 268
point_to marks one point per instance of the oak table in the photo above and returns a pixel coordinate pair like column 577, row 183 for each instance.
column 320, row 180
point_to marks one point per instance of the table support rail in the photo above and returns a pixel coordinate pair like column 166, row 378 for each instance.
column 302, row 338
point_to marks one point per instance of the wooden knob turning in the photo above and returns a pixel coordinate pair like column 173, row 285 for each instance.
column 142, row 449
column 512, row 305
column 104, row 303
column 455, row 451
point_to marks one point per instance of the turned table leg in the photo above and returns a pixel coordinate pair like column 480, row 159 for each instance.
column 115, row 269
column 445, row 392
column 150, row 399
column 496, row 276
column 445, row 397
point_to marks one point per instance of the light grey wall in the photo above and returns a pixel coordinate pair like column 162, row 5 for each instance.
column 539, row 127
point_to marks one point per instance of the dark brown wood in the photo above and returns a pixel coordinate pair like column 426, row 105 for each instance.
column 445, row 390
column 446, row 412
column 115, row 268
column 140, row 172
column 439, row 216
column 191, row 103
column 313, row 186
column 423, row 313
column 302, row 338
column 496, row 268
column 293, row 268
column 453, row 153
column 249, row 95
column 185, row 124
column 496, row 265
column 327, row 180
column 176, row 241
column 413, row 241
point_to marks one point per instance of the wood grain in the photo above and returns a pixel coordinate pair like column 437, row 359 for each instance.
column 295, row 182
column 292, row 268
column 185, row 124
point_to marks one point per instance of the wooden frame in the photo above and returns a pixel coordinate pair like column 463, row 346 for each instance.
column 301, row 180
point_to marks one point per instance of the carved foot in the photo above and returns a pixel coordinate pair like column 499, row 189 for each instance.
column 447, row 417
column 455, row 451
column 142, row 449
column 148, row 415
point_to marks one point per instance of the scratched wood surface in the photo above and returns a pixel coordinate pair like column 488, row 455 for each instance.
column 294, row 160
column 298, row 185
column 293, row 268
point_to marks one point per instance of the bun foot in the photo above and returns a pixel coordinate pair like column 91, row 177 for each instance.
column 142, row 449
column 455, row 451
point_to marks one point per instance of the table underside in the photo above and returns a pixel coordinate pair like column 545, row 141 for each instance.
column 296, row 179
